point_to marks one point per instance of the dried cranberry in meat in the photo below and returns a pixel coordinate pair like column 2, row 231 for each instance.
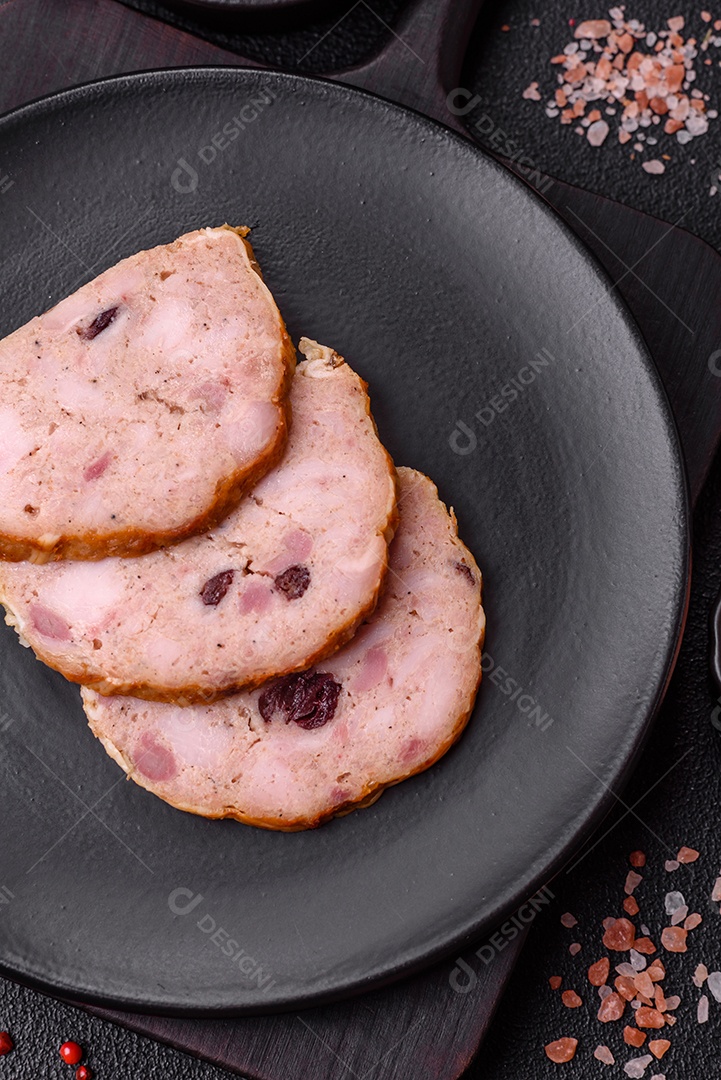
column 310, row 701
column 293, row 581
column 100, row 322
column 215, row 589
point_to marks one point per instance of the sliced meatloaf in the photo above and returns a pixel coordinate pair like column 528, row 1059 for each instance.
column 284, row 581
column 137, row 411
column 310, row 746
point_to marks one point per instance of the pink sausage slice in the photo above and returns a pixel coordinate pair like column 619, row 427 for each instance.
column 308, row 747
column 283, row 582
column 139, row 410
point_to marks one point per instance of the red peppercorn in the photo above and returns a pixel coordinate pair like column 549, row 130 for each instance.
column 84, row 1073
column 6, row 1043
column 71, row 1053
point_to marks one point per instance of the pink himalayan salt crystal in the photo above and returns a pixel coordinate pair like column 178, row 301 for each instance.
column 568, row 919
column 679, row 916
column 673, row 939
column 670, row 865
column 597, row 132
column 692, row 921
column 716, row 894
column 672, row 1003
column 673, row 901
column 593, row 28
column 636, row 1067
column 531, row 93
column 676, row 23
column 655, row 167
column 687, row 854
column 574, row 949
column 602, row 1053
column 714, row 984
column 702, row 1012
column 633, row 880
column 700, row 975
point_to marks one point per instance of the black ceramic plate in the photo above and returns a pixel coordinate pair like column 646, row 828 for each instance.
column 500, row 363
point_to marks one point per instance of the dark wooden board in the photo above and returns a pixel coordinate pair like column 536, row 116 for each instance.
column 419, row 1027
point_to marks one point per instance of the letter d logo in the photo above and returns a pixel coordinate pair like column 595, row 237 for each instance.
column 184, row 178
column 177, row 898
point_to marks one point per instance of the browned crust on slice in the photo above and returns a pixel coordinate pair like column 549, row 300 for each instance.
column 128, row 543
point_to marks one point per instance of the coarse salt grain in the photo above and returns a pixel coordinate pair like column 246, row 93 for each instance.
column 633, row 880
column 602, row 1053
column 673, row 939
column 612, row 1008
column 636, row 1067
column 692, row 921
column 620, row 935
column 644, row 984
column 561, row 1050
column 670, row 865
column 702, row 1011
column 598, row 972
column 716, row 892
column 633, row 1037
column 531, row 93
column 700, row 975
column 714, row 984
column 593, row 28
column 597, row 132
column 658, row 1047
column 554, row 982
column 657, row 971
column 574, row 948
column 654, row 167
column 673, row 901
column 648, row 1017
column 687, row 854
column 568, row 920
column 571, row 999
column 638, row 962
column 626, row 986
column 679, row 916
column 604, row 991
